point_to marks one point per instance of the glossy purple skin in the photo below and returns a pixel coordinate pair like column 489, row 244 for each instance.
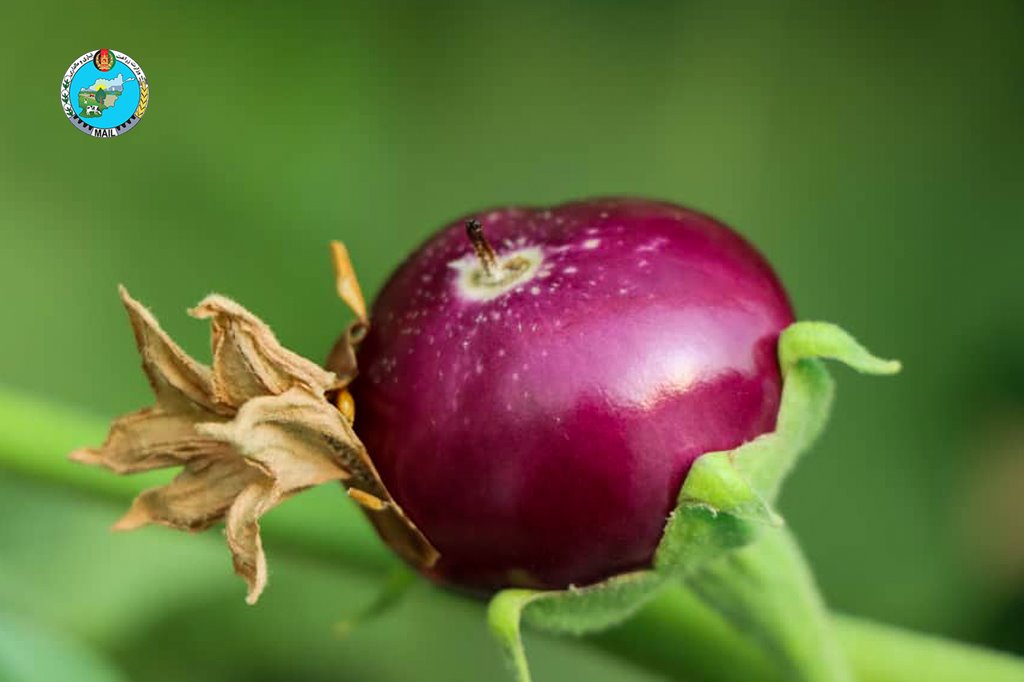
column 540, row 439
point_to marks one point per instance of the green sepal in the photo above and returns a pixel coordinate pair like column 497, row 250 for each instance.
column 575, row 611
column 724, row 542
column 504, row 616
column 718, row 511
column 807, row 396
column 581, row 610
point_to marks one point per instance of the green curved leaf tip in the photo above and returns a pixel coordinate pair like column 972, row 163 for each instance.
column 724, row 542
column 825, row 340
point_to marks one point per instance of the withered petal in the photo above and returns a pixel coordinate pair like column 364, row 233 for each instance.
column 285, row 435
column 198, row 497
column 243, row 533
column 151, row 438
column 248, row 360
column 176, row 378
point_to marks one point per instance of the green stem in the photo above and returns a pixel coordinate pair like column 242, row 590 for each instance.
column 678, row 635
column 675, row 635
column 766, row 591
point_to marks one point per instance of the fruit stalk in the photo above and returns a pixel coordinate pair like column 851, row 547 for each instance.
column 484, row 251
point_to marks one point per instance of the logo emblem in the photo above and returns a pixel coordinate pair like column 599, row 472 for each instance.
column 104, row 93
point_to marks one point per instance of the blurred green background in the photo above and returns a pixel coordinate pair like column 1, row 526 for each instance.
column 871, row 150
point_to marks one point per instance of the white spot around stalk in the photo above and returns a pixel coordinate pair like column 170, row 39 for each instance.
column 471, row 286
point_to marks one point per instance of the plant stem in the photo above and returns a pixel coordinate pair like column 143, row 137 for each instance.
column 676, row 635
column 682, row 637
column 766, row 591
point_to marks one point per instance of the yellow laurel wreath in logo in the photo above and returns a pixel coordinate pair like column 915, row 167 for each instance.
column 143, row 98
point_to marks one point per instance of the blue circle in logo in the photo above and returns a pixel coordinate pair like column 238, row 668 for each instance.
column 104, row 99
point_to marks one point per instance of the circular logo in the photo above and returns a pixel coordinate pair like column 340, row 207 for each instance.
column 104, row 93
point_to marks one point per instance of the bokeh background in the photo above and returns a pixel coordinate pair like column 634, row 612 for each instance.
column 872, row 150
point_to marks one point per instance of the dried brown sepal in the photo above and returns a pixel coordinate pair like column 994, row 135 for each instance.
column 346, row 281
column 342, row 358
column 248, row 433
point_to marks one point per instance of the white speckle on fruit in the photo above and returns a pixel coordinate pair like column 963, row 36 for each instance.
column 652, row 245
column 591, row 244
column 571, row 270
column 535, row 291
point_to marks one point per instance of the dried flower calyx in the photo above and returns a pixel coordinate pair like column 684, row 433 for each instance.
column 249, row 432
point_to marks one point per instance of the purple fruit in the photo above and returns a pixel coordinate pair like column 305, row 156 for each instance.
column 535, row 407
